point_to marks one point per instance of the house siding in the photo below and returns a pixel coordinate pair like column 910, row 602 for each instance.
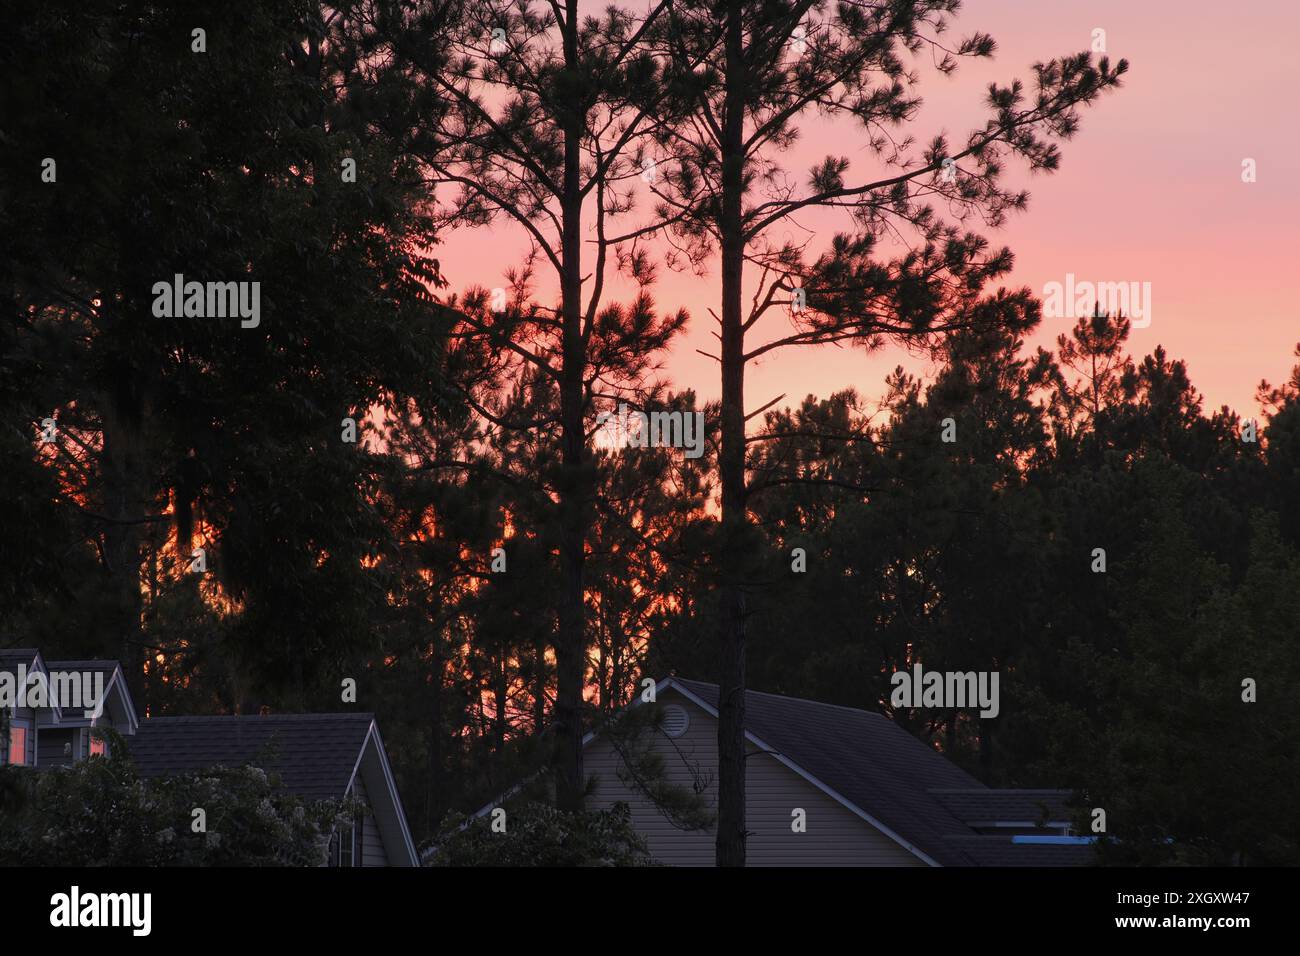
column 835, row 835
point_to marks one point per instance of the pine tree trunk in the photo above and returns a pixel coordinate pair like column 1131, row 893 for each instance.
column 731, row 467
column 570, row 648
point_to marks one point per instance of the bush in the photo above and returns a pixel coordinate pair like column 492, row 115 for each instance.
column 537, row 834
column 98, row 812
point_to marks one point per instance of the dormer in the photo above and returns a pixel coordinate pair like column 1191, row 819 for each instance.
column 71, row 739
column 53, row 707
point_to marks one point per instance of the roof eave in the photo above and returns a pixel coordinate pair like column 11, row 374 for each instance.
column 376, row 741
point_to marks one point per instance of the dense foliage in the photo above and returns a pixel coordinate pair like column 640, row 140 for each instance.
column 98, row 812
column 537, row 834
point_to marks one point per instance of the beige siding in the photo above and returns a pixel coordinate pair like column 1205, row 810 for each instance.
column 372, row 844
column 835, row 835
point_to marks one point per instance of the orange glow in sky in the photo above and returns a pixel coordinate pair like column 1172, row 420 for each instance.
column 1150, row 190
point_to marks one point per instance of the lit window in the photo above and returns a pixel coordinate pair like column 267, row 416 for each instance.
column 17, row 745
column 97, row 748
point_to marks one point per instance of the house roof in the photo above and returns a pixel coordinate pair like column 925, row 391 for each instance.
column 106, row 667
column 115, row 686
column 1002, row 851
column 985, row 807
column 11, row 657
column 317, row 756
column 878, row 769
column 314, row 754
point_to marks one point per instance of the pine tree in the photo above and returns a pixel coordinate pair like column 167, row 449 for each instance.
column 725, row 189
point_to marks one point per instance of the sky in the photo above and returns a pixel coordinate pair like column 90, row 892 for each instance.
column 1151, row 191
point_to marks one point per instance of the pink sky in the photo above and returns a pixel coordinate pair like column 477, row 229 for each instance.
column 1149, row 191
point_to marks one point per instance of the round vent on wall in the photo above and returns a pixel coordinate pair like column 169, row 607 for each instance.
column 676, row 720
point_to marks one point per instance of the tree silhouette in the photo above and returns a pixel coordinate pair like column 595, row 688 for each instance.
column 726, row 189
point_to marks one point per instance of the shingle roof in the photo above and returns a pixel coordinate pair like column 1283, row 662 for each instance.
column 11, row 657
column 983, row 806
column 106, row 667
column 880, row 768
column 1000, row 851
column 314, row 754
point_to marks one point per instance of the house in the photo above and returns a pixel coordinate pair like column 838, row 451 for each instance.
column 53, row 727
column 315, row 756
column 870, row 793
column 71, row 739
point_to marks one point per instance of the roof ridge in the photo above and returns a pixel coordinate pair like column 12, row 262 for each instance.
column 309, row 716
column 984, row 790
column 87, row 660
column 800, row 700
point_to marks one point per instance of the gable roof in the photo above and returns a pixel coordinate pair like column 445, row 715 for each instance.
column 11, row 657
column 114, row 686
column 985, row 807
column 107, row 668
column 29, row 658
column 882, row 773
column 314, row 754
column 317, row 756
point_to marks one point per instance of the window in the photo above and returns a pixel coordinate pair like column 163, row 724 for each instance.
column 97, row 747
column 17, row 745
column 347, row 844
